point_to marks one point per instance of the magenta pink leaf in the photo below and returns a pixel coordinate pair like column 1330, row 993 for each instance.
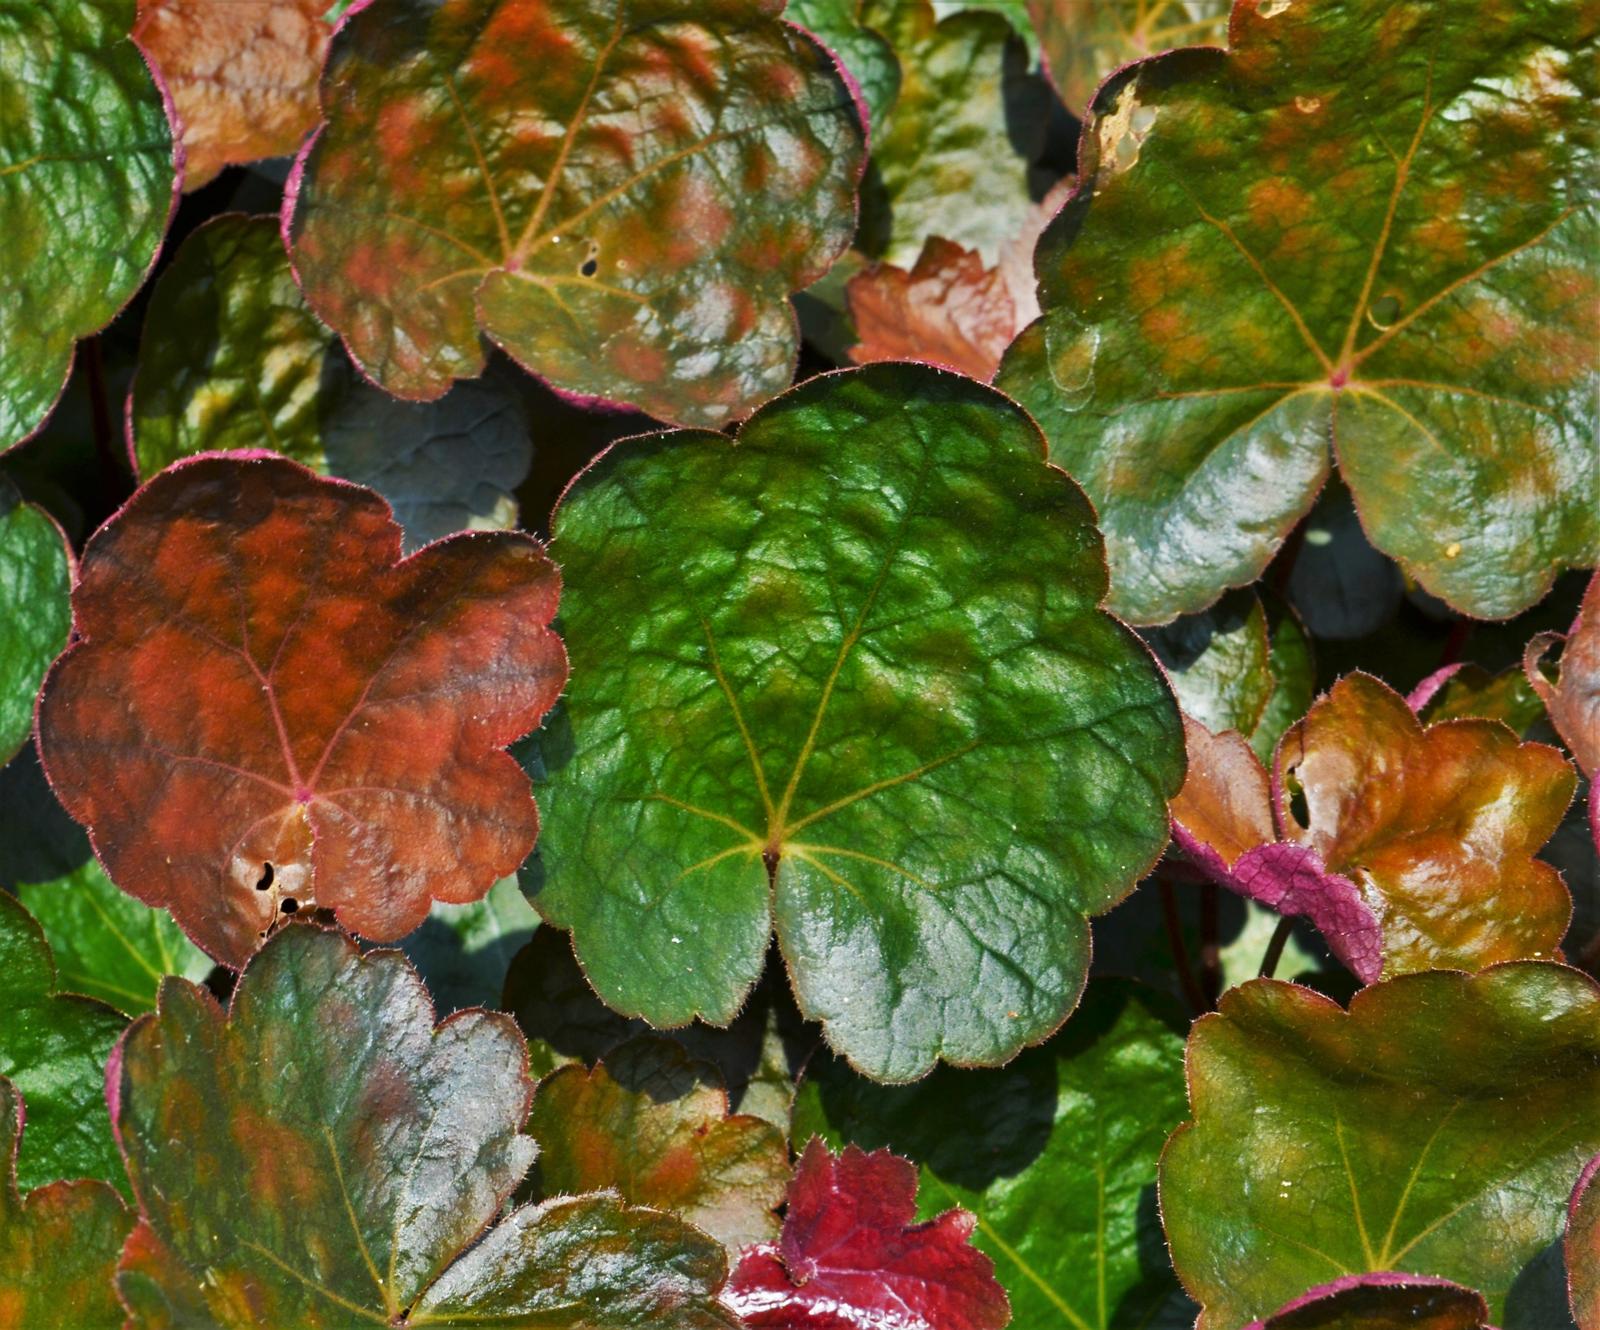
column 267, row 709
column 850, row 1257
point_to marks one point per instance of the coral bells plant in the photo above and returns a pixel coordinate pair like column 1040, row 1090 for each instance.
column 844, row 665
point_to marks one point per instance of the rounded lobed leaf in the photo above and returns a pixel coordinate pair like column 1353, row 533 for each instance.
column 1441, row 1108
column 35, row 586
column 58, row 1244
column 850, row 1255
column 653, row 1123
column 1335, row 231
column 846, row 676
column 1055, row 1154
column 266, row 708
column 53, row 1047
column 242, row 75
column 88, row 179
column 365, row 1150
column 627, row 225
column 231, row 355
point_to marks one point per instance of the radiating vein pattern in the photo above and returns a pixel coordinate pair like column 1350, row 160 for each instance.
column 847, row 677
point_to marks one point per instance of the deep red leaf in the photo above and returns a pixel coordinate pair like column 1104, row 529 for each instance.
column 850, row 1257
column 267, row 709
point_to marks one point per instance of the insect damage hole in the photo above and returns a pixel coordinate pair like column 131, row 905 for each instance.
column 289, row 905
column 591, row 260
column 265, row 880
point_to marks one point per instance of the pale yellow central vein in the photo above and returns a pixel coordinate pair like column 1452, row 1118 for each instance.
column 1416, row 1169
column 389, row 1302
column 738, row 719
column 1355, row 1200
column 365, row 1313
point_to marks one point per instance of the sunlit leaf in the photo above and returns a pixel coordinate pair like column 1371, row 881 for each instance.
column 1055, row 1154
column 951, row 158
column 58, row 1244
column 1411, row 848
column 846, row 677
column 231, row 357
column 35, row 580
column 1334, row 231
column 87, row 182
column 627, row 225
column 53, row 1049
column 653, row 1123
column 864, row 52
column 242, row 75
column 365, row 1151
column 1085, row 40
column 1382, row 1302
column 1462, row 691
column 1581, row 1247
column 1434, row 1128
column 850, row 1255
column 266, row 709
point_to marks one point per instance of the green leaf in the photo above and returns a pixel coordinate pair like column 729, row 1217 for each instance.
column 1382, row 1302
column 87, row 182
column 1434, row 1128
column 653, row 1123
column 951, row 158
column 58, row 1244
column 232, row 357
column 107, row 944
column 864, row 52
column 53, row 1047
column 1581, row 1247
column 846, row 677
column 1332, row 232
column 365, row 1150
column 1055, row 1154
column 628, row 225
column 35, row 606
column 1293, row 666
column 463, row 952
column 1218, row 663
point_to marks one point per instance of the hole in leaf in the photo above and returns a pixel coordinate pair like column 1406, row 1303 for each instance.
column 265, row 880
column 289, row 905
column 589, row 268
column 1383, row 311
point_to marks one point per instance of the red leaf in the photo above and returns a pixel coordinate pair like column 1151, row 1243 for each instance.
column 850, row 1257
column 266, row 708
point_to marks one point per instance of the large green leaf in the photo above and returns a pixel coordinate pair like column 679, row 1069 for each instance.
column 951, row 158
column 864, row 52
column 1437, row 1128
column 58, row 1244
column 1371, row 222
column 324, row 1156
column 847, row 676
column 35, row 607
column 231, row 357
column 463, row 952
column 1055, row 1154
column 87, row 182
column 628, row 224
column 53, row 1047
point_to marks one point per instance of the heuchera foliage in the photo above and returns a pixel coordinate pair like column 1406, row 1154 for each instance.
column 800, row 664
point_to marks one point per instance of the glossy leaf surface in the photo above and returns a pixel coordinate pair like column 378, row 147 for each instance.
column 1055, row 1154
column 232, row 357
column 653, row 1124
column 627, row 226
column 58, row 1244
column 35, row 583
column 1573, row 700
column 368, row 1149
column 951, row 157
column 108, row 945
column 1417, row 846
column 1382, row 1302
column 267, row 709
column 242, row 75
column 1440, row 1108
column 845, row 676
column 1330, row 231
column 1085, row 40
column 53, row 1048
column 864, row 52
column 850, row 1255
column 1581, row 1247
column 1438, row 826
column 87, row 181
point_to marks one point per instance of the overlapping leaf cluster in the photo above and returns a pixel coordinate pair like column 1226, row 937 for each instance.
column 571, row 745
